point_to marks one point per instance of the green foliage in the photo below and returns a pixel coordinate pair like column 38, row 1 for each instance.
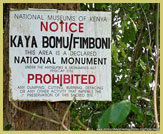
column 120, row 112
column 137, row 110
column 133, row 84
column 115, row 114
column 105, row 119
column 115, row 53
column 8, row 127
column 142, row 64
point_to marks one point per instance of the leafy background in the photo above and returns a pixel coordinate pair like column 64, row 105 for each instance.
column 133, row 69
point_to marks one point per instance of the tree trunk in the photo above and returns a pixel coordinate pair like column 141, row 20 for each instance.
column 18, row 119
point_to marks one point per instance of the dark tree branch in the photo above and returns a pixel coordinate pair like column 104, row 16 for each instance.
column 136, row 51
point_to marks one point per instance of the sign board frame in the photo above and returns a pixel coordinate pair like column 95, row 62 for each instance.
column 39, row 56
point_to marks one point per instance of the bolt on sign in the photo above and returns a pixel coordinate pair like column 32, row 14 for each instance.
column 56, row 55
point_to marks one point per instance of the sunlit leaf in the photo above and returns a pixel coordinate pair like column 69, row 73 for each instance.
column 142, row 64
column 120, row 112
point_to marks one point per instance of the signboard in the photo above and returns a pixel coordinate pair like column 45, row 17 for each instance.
column 56, row 55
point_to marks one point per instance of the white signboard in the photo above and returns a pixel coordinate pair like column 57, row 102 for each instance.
column 56, row 55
